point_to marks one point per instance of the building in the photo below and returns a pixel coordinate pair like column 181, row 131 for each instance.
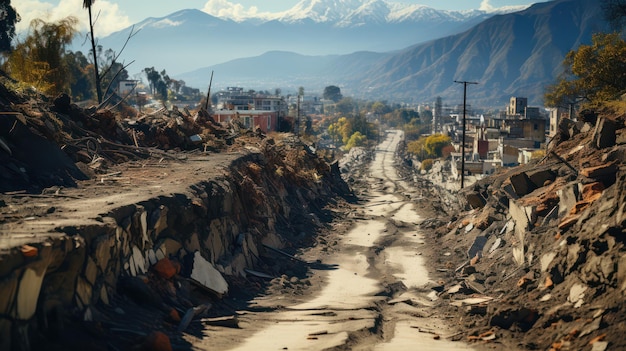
column 236, row 99
column 126, row 87
column 517, row 106
column 266, row 121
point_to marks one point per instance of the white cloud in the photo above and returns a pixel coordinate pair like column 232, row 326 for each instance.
column 109, row 17
column 486, row 6
column 227, row 9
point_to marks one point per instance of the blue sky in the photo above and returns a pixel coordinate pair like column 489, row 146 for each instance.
column 119, row 14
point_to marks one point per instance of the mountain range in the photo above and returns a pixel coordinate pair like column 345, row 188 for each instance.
column 190, row 39
column 509, row 54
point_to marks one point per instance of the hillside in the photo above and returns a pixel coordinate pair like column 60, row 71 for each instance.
column 509, row 55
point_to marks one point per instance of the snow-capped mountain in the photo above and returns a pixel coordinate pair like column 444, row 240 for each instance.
column 347, row 13
column 188, row 39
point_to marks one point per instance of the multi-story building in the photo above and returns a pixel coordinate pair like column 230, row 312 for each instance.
column 252, row 109
column 517, row 106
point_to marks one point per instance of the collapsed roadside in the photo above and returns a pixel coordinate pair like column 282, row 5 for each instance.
column 532, row 257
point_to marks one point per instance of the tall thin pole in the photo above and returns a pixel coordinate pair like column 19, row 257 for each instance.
column 465, row 83
column 208, row 95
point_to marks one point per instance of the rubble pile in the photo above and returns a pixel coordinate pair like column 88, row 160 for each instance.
column 48, row 143
column 537, row 258
column 125, row 232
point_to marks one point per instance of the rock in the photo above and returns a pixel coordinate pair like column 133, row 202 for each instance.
column 577, row 294
column 598, row 270
column 204, row 273
column 599, row 346
column 477, row 246
column 621, row 273
column 28, row 291
column 91, row 270
column 170, row 247
column 226, row 321
column 522, row 184
column 568, row 197
column 604, row 133
column 523, row 317
column 523, row 217
column 546, row 259
column 508, row 189
column 29, row 251
column 165, row 268
column 157, row 341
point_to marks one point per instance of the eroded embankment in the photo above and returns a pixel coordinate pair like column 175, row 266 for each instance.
column 134, row 275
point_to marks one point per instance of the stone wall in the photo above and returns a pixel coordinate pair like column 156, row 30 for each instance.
column 213, row 233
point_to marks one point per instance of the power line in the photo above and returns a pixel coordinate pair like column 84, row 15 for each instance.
column 465, row 83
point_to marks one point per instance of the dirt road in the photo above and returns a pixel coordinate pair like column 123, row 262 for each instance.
column 369, row 289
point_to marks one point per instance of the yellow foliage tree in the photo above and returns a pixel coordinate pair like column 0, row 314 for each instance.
column 38, row 60
column 593, row 73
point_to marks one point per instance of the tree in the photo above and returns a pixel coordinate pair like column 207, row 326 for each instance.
column 7, row 25
column 38, row 60
column 82, row 84
column 592, row 74
column 333, row 93
column 345, row 105
column 429, row 147
column 356, row 139
column 153, row 77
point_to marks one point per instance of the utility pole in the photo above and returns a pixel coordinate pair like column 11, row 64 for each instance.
column 465, row 83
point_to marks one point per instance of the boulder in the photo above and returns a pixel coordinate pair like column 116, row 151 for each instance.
column 604, row 133
column 206, row 275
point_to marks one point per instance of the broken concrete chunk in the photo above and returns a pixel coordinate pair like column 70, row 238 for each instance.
column 568, row 197
column 522, row 184
column 204, row 273
column 523, row 217
column 477, row 246
column 597, row 172
column 604, row 133
column 475, row 200
column 539, row 178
